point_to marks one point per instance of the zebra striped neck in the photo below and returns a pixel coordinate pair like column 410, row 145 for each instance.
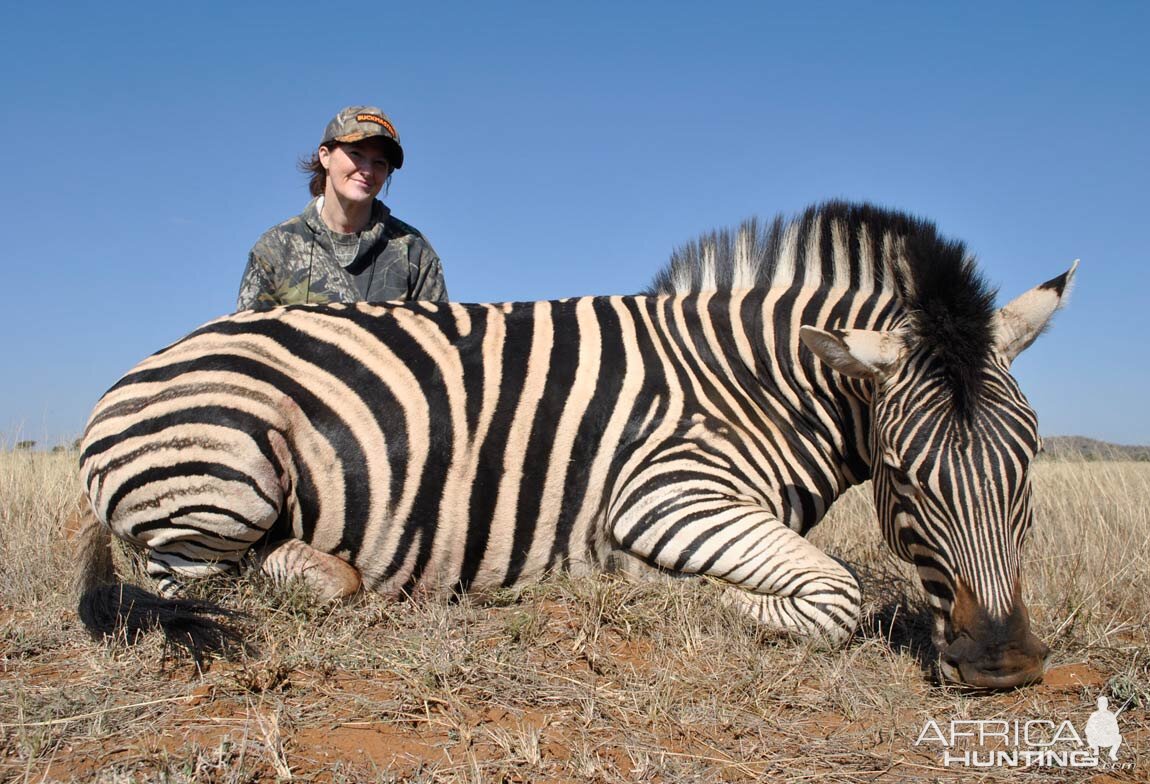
column 739, row 361
column 862, row 268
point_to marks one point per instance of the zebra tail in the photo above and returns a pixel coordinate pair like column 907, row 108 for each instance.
column 109, row 607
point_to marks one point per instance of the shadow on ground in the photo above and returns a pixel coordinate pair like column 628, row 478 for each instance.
column 896, row 614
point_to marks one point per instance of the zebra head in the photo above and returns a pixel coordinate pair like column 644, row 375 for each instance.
column 950, row 469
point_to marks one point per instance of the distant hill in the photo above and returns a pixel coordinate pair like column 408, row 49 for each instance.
column 1082, row 448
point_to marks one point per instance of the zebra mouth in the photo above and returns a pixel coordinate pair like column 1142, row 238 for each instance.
column 948, row 672
column 981, row 679
column 991, row 664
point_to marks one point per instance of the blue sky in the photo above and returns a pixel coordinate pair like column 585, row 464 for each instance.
column 557, row 151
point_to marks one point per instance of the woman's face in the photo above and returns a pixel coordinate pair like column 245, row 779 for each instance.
column 357, row 171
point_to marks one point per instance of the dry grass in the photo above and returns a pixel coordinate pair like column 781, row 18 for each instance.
column 574, row 680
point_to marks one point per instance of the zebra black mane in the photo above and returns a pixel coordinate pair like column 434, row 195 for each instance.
column 950, row 305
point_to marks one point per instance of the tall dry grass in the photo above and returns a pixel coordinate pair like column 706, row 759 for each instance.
column 38, row 492
column 1086, row 567
column 576, row 679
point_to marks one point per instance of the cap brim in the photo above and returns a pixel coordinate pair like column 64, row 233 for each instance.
column 395, row 154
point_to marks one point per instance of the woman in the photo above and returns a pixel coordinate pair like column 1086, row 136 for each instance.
column 346, row 245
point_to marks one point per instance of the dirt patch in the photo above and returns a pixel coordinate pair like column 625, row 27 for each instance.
column 1072, row 677
column 384, row 748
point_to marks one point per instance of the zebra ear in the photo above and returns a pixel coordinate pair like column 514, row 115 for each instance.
column 1024, row 319
column 861, row 353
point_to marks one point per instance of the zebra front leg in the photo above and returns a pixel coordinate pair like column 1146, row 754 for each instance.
column 330, row 577
column 777, row 576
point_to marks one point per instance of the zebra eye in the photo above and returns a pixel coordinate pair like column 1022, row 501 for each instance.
column 901, row 481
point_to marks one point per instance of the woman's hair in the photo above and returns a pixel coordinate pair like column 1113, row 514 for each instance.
column 317, row 174
column 317, row 180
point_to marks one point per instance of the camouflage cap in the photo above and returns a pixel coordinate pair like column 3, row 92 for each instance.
column 363, row 122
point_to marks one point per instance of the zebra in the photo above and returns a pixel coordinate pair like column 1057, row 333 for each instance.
column 702, row 427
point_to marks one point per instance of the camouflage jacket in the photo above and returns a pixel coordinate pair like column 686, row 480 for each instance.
column 296, row 262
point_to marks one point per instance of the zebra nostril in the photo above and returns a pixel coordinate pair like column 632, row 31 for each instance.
column 960, row 648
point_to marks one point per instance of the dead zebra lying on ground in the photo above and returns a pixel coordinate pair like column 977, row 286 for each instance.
column 703, row 427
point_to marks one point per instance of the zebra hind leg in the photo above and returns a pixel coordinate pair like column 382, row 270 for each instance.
column 109, row 607
column 329, row 577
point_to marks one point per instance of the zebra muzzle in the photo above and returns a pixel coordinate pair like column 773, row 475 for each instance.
column 991, row 652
